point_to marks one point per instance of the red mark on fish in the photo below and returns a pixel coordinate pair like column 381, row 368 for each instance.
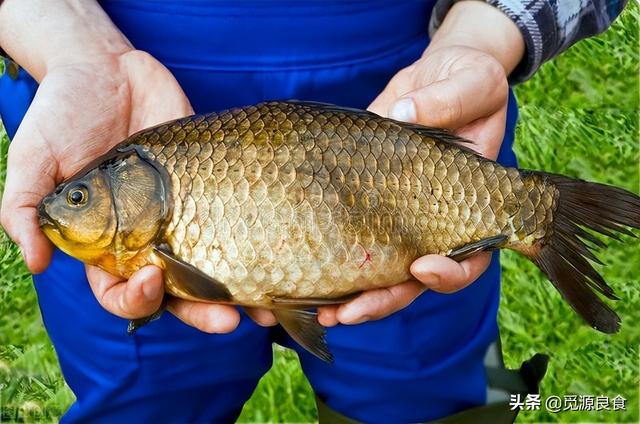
column 367, row 258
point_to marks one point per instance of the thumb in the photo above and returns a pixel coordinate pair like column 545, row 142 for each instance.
column 444, row 275
column 451, row 103
column 31, row 172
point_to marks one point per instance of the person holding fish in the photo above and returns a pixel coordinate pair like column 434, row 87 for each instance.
column 94, row 73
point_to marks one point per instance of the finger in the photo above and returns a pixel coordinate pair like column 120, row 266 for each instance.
column 453, row 102
column 30, row 176
column 379, row 303
column 400, row 83
column 263, row 317
column 138, row 297
column 18, row 221
column 444, row 275
column 328, row 315
column 487, row 133
column 211, row 318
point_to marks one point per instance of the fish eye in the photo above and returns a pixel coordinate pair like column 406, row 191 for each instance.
column 78, row 195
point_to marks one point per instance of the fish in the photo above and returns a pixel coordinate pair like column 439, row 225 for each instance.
column 292, row 205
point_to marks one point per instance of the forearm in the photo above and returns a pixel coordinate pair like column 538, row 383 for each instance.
column 42, row 34
column 478, row 25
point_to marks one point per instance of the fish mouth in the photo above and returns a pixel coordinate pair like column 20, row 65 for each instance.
column 44, row 219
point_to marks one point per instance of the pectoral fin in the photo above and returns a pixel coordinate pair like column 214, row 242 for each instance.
column 489, row 243
column 190, row 280
column 304, row 328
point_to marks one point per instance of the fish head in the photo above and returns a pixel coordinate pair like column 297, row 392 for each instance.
column 110, row 215
column 79, row 216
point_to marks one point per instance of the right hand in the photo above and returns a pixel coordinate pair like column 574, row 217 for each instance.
column 79, row 112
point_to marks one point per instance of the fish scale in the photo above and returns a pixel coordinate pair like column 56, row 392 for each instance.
column 292, row 205
column 297, row 201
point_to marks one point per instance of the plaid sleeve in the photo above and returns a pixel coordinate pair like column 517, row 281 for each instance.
column 548, row 26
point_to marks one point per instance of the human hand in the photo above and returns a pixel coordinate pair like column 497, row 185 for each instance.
column 80, row 111
column 460, row 83
column 90, row 97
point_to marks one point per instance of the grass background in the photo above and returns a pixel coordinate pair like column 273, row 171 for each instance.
column 579, row 117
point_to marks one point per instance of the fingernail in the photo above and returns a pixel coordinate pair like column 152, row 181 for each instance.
column 404, row 110
column 419, row 268
column 151, row 291
column 421, row 271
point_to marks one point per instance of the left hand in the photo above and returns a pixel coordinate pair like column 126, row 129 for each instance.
column 459, row 83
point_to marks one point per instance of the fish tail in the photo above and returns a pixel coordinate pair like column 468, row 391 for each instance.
column 564, row 254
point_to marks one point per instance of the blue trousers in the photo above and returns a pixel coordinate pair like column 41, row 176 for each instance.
column 419, row 364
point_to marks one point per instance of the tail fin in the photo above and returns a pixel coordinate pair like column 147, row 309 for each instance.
column 564, row 256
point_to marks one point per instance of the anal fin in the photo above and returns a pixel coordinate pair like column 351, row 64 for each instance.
column 304, row 328
column 468, row 250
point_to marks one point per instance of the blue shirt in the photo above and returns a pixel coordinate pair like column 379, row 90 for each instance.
column 420, row 363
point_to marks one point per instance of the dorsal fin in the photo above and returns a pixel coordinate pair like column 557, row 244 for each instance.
column 438, row 134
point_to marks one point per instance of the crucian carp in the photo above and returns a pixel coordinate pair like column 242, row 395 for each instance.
column 293, row 205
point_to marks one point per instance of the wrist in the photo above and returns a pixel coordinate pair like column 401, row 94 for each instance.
column 475, row 24
column 41, row 35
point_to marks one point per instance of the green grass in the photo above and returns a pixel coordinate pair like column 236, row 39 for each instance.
column 579, row 116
